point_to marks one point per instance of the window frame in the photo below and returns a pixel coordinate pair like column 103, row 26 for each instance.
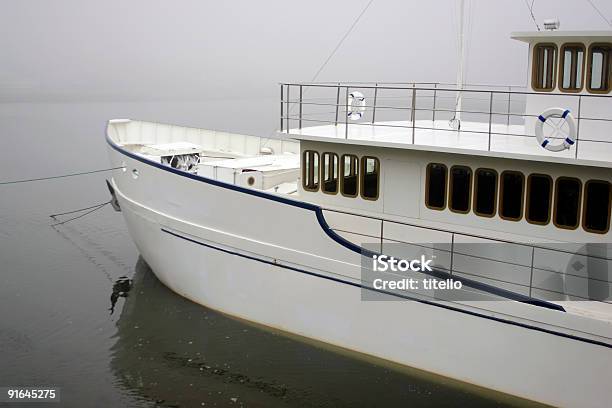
column 363, row 174
column 589, row 66
column 562, row 68
column 584, row 206
column 341, row 175
column 501, row 194
column 304, row 186
column 322, row 176
column 475, row 177
column 528, row 196
column 555, row 207
column 534, row 67
column 427, row 180
column 450, row 189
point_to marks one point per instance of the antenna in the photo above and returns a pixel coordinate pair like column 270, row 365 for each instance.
column 552, row 24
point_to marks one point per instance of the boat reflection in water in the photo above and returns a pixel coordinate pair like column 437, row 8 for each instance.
column 176, row 353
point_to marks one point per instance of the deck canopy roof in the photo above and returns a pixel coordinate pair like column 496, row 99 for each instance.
column 566, row 36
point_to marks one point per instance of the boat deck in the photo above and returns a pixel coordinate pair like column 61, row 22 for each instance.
column 475, row 137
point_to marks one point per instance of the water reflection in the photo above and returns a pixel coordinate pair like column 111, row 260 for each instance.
column 176, row 353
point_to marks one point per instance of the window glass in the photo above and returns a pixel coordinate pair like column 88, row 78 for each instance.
column 539, row 194
column 435, row 186
column 567, row 202
column 485, row 192
column 599, row 68
column 597, row 197
column 460, row 188
column 350, row 172
column 511, row 195
column 329, row 167
column 310, row 174
column 572, row 60
column 371, row 176
column 544, row 62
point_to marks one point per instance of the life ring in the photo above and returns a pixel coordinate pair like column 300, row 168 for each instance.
column 356, row 105
column 556, row 129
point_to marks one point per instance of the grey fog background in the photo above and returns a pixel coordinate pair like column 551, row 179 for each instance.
column 144, row 50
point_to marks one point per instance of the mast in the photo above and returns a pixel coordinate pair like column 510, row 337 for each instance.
column 456, row 121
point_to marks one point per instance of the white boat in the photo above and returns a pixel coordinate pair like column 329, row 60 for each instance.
column 274, row 230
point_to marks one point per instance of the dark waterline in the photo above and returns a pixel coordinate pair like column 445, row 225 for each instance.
column 156, row 348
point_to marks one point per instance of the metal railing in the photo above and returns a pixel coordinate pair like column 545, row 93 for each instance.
column 594, row 285
column 489, row 111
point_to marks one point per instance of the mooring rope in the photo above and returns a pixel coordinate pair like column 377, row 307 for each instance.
column 91, row 210
column 60, row 176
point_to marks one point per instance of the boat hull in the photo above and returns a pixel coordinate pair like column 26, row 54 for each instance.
column 274, row 263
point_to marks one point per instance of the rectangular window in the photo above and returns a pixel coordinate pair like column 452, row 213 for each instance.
column 512, row 190
column 329, row 169
column 485, row 192
column 572, row 67
column 370, row 176
column 460, row 189
column 539, row 197
column 350, row 173
column 544, row 67
column 598, row 72
column 435, row 186
column 597, row 202
column 310, row 170
column 567, row 202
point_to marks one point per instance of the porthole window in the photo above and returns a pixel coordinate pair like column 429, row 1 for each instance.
column 435, row 186
column 539, row 196
column 511, row 194
column 599, row 68
column 572, row 67
column 544, row 67
column 350, row 175
column 567, row 202
column 597, row 201
column 329, row 170
column 485, row 192
column 370, row 177
column 460, row 189
column 310, row 170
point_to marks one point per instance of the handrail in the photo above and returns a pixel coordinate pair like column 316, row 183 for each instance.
column 413, row 92
column 490, row 240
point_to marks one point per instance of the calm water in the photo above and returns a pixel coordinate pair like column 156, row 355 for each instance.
column 156, row 348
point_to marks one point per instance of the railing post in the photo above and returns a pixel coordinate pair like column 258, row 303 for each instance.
column 374, row 106
column 433, row 111
column 412, row 111
column 281, row 109
column 337, row 104
column 531, row 277
column 346, row 114
column 578, row 124
column 300, row 120
column 452, row 253
column 490, row 118
column 509, row 95
column 288, row 112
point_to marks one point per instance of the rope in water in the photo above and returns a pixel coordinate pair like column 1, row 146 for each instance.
column 58, row 177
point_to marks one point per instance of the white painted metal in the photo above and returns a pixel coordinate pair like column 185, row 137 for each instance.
column 450, row 343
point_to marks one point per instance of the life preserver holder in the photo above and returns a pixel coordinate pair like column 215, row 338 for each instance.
column 356, row 105
column 557, row 129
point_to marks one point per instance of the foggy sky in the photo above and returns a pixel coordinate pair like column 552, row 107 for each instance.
column 150, row 50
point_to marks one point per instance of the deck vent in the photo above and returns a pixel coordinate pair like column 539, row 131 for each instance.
column 552, row 24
